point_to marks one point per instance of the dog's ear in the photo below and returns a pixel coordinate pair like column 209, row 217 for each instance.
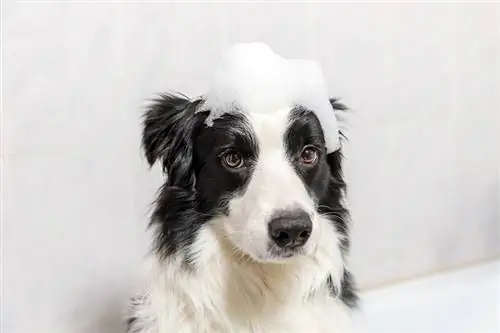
column 334, row 159
column 169, row 124
column 340, row 111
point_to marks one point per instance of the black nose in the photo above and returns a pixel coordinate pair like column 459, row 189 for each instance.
column 290, row 229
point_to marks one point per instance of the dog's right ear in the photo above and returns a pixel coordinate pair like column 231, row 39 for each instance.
column 167, row 137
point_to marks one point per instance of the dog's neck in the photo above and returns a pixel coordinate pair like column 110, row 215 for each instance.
column 220, row 278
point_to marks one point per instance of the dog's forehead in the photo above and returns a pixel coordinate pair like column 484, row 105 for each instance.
column 258, row 126
column 270, row 129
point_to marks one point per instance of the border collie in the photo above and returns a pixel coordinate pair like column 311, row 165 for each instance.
column 252, row 231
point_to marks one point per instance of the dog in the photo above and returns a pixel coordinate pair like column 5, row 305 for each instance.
column 251, row 225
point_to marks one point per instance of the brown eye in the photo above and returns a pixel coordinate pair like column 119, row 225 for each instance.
column 233, row 160
column 309, row 156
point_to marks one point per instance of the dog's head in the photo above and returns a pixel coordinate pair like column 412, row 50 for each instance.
column 264, row 183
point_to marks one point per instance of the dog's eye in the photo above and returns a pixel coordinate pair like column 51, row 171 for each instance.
column 233, row 160
column 309, row 156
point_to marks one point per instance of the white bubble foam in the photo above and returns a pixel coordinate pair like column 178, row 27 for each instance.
column 251, row 78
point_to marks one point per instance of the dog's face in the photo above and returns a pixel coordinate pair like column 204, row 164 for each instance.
column 263, row 182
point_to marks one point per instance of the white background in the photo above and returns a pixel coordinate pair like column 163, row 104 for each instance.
column 423, row 160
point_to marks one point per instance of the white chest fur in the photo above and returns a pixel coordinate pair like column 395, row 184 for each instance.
column 225, row 294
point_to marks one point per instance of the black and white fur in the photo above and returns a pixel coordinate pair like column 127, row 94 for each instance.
column 214, row 267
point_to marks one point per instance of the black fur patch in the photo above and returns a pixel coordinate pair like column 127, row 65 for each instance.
column 197, row 187
column 133, row 323
column 325, row 182
column 349, row 291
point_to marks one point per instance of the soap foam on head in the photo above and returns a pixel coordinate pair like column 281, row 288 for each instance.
column 251, row 78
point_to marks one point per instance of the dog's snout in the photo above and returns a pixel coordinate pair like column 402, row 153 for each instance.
column 290, row 230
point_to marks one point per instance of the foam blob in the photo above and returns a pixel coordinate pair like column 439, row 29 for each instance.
column 251, row 78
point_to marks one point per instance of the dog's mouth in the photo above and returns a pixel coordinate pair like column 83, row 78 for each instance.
column 275, row 255
column 280, row 254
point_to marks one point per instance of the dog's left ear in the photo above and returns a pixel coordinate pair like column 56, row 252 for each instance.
column 169, row 125
column 340, row 111
column 334, row 159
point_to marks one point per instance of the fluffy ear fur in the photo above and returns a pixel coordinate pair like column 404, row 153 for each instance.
column 168, row 128
column 334, row 161
column 340, row 111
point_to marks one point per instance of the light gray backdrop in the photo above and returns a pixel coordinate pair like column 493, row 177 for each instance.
column 422, row 79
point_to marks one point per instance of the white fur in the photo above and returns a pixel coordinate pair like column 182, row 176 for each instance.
column 235, row 286
column 231, row 294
